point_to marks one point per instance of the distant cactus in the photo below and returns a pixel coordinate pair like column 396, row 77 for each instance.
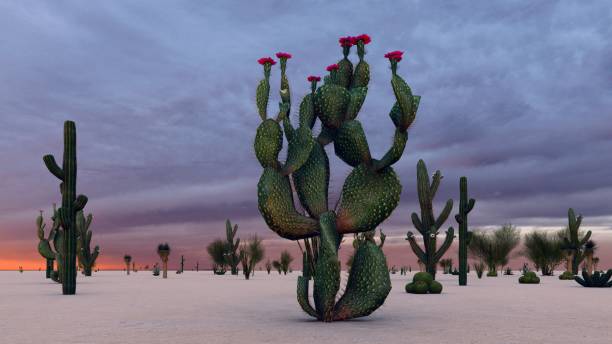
column 44, row 245
column 446, row 265
column 127, row 259
column 508, row 271
column 428, row 225
column 589, row 250
column 156, row 269
column 71, row 204
column 20, row 269
column 182, row 264
column 87, row 258
column 268, row 266
column 465, row 206
column 233, row 243
column 597, row 279
column 573, row 245
column 163, row 250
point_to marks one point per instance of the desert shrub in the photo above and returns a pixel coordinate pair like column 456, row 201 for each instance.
column 544, row 250
column 493, row 248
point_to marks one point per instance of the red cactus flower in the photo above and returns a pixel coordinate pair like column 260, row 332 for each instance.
column 365, row 38
column 394, row 55
column 346, row 41
column 314, row 78
column 282, row 55
column 264, row 60
column 332, row 67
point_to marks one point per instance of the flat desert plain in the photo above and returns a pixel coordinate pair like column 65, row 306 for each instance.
column 198, row 307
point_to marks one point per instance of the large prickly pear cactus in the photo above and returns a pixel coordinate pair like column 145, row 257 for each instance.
column 572, row 243
column 87, row 258
column 232, row 246
column 428, row 225
column 369, row 195
column 465, row 206
column 71, row 204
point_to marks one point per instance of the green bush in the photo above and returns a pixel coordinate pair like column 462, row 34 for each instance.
column 492, row 274
column 529, row 277
column 423, row 283
column 422, row 276
column 566, row 275
column 435, row 287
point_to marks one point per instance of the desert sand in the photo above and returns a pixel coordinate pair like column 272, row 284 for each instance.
column 198, row 307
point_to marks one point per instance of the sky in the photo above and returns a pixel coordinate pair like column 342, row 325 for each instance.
column 516, row 95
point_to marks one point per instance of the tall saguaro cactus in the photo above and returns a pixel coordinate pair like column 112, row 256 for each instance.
column 87, row 257
column 572, row 243
column 369, row 195
column 465, row 206
column 232, row 243
column 428, row 225
column 44, row 244
column 71, row 204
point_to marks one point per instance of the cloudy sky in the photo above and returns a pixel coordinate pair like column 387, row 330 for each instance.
column 517, row 96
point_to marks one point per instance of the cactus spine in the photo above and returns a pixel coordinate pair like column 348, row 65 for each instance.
column 233, row 258
column 87, row 258
column 574, row 245
column 369, row 194
column 71, row 204
column 427, row 224
column 465, row 206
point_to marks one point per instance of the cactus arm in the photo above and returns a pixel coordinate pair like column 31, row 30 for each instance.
column 415, row 247
column 52, row 166
column 417, row 223
column 312, row 182
column 586, row 238
column 299, row 150
column 395, row 151
column 445, row 245
column 435, row 183
column 444, row 214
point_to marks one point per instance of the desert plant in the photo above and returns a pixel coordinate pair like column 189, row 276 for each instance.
column 529, row 277
column 127, row 259
column 508, row 272
column 574, row 241
column 285, row 261
column 566, row 275
column 369, row 195
column 589, row 250
column 20, row 269
column 71, row 204
column 423, row 283
column 454, row 272
column 156, row 269
column 493, row 248
column 44, row 244
column 163, row 250
column 87, row 258
column 544, row 250
column 182, row 264
column 232, row 245
column 268, row 266
column 277, row 266
column 216, row 250
column 598, row 279
column 428, row 225
column 595, row 263
column 479, row 268
column 465, row 206
column 446, row 265
column 360, row 238
column 251, row 253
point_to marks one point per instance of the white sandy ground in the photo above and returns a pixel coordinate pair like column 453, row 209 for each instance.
column 111, row 307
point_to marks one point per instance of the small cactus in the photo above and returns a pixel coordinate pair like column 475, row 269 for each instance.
column 87, row 258
column 423, row 283
column 529, row 277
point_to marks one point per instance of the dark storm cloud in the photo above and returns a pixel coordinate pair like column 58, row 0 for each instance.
column 516, row 95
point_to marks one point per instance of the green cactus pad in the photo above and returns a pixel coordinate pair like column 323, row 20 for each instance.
column 275, row 201
column 299, row 149
column 358, row 96
column 361, row 78
column 307, row 112
column 331, row 102
column 44, row 248
column 262, row 95
column 312, row 182
column 368, row 284
column 285, row 91
column 327, row 281
column 435, row 287
column 268, row 143
column 351, row 144
column 344, row 74
column 368, row 198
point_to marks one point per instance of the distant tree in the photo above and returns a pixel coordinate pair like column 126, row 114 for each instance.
column 544, row 250
column 493, row 248
column 285, row 261
column 251, row 253
column 216, row 250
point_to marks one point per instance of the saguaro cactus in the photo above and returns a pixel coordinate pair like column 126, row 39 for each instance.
column 182, row 264
column 163, row 250
column 573, row 245
column 87, row 258
column 71, row 204
column 232, row 245
column 44, row 244
column 465, row 206
column 127, row 259
column 427, row 224
column 369, row 195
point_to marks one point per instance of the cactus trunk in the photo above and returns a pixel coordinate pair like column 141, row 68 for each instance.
column 165, row 267
column 71, row 204
column 49, row 268
column 465, row 206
